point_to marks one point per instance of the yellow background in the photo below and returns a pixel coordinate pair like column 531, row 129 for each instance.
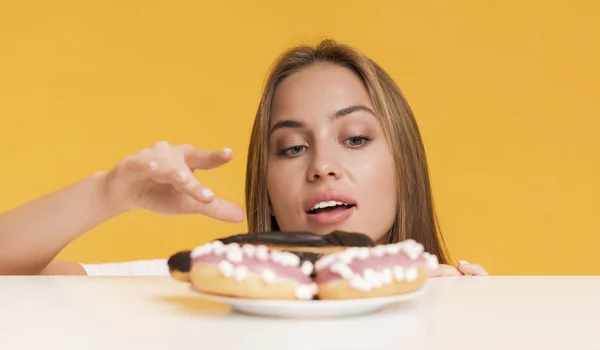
column 505, row 93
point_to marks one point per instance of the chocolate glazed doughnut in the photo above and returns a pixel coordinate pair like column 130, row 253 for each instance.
column 263, row 265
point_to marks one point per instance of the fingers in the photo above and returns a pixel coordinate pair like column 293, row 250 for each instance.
column 218, row 209
column 204, row 160
column 445, row 270
column 173, row 165
column 472, row 269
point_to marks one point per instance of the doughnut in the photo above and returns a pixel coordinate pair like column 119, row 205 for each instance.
column 264, row 265
column 379, row 271
column 303, row 241
column 303, row 266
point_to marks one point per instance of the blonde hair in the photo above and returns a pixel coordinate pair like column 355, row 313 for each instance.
column 416, row 217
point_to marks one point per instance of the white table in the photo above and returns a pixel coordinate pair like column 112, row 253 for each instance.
column 160, row 313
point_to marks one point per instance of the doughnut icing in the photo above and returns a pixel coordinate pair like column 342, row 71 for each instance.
column 303, row 266
column 303, row 241
column 377, row 271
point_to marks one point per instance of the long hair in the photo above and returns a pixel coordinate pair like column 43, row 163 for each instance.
column 416, row 217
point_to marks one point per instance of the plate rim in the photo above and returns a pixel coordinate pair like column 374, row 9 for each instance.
column 384, row 300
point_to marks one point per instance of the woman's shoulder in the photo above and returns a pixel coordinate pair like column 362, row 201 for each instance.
column 155, row 267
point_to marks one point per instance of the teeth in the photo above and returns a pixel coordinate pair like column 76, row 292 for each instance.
column 327, row 204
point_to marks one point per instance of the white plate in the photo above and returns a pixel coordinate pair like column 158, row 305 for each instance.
column 312, row 308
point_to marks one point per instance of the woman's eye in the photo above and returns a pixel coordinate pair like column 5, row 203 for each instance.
column 292, row 151
column 357, row 141
column 295, row 150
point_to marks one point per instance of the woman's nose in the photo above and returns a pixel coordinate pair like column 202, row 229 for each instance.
column 324, row 169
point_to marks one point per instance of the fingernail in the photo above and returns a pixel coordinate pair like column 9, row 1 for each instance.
column 182, row 175
column 206, row 193
column 153, row 165
column 463, row 262
column 228, row 151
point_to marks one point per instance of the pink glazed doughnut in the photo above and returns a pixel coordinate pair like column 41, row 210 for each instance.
column 251, row 271
column 367, row 272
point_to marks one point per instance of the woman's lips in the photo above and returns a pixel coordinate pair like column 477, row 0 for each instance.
column 332, row 216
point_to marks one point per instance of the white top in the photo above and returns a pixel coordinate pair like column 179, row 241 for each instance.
column 157, row 267
column 152, row 313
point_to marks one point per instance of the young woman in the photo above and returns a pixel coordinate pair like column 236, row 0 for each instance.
column 331, row 126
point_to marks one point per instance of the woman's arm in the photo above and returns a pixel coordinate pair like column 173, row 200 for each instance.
column 32, row 234
column 159, row 179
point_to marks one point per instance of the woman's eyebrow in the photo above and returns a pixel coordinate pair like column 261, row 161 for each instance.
column 288, row 123
column 351, row 109
column 285, row 124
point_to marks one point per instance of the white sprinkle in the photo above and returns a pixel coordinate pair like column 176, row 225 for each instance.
column 387, row 276
column 304, row 292
column 360, row 284
column 307, row 267
column 249, row 250
column 268, row 276
column 393, row 248
column 226, row 268
column 234, row 245
column 363, row 253
column 240, row 273
column 218, row 249
column 432, row 261
column 262, row 253
column 411, row 274
column 398, row 273
column 324, row 262
column 419, row 248
column 373, row 278
column 201, row 250
column 314, row 288
column 215, row 244
column 378, row 250
column 342, row 269
column 276, row 256
column 346, row 256
column 234, row 254
column 411, row 250
column 289, row 259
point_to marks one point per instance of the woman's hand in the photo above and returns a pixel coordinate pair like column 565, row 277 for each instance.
column 161, row 179
column 463, row 268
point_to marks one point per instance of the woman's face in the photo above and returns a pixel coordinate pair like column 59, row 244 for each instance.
column 329, row 165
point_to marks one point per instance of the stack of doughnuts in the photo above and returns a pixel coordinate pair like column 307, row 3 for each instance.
column 303, row 266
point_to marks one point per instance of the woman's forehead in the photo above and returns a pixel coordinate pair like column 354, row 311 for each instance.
column 318, row 91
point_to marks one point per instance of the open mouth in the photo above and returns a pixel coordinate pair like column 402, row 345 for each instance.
column 329, row 206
